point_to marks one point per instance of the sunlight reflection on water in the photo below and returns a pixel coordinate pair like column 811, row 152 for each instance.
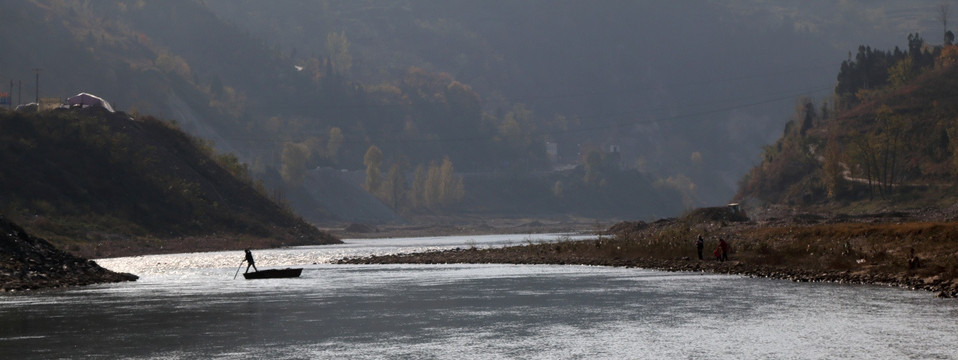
column 189, row 306
column 186, row 264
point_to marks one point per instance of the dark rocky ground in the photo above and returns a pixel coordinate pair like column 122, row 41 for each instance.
column 30, row 263
column 566, row 254
column 912, row 249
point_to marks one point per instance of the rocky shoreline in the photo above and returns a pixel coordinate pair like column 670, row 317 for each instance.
column 898, row 250
column 31, row 263
column 546, row 255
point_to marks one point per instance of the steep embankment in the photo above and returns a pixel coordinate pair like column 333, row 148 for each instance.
column 105, row 184
column 32, row 263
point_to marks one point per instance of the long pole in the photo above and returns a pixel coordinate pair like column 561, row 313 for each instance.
column 238, row 269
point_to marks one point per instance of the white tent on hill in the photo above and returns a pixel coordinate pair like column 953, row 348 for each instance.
column 85, row 100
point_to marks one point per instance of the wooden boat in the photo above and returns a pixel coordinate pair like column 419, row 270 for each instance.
column 273, row 274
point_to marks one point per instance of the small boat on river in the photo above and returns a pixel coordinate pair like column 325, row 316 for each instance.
column 273, row 274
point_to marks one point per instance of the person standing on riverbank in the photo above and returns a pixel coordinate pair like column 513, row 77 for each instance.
column 249, row 261
column 724, row 249
column 699, row 245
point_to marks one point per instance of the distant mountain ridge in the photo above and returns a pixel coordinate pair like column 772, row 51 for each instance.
column 686, row 92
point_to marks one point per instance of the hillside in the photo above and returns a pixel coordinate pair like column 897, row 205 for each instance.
column 105, row 184
column 681, row 94
column 420, row 82
column 588, row 76
column 890, row 145
column 858, row 190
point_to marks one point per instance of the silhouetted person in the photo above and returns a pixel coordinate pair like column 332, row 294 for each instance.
column 699, row 245
column 249, row 260
column 724, row 246
column 914, row 262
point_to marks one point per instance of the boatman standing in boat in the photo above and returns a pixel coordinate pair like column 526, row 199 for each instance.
column 249, row 259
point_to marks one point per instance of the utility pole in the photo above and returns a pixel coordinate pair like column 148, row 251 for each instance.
column 943, row 13
column 37, row 70
column 19, row 92
column 10, row 96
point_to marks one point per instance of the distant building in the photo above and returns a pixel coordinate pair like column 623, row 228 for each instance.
column 31, row 107
column 552, row 150
column 84, row 100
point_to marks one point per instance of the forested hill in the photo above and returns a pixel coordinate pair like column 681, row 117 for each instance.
column 668, row 101
column 287, row 114
column 103, row 184
column 887, row 139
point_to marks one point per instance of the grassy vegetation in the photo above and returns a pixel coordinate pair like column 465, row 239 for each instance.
column 89, row 180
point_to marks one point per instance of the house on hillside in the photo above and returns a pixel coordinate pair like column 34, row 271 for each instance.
column 84, row 100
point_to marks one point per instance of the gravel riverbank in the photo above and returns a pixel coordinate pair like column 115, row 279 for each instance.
column 545, row 254
column 882, row 249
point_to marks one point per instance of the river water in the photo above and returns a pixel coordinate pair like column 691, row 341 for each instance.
column 190, row 306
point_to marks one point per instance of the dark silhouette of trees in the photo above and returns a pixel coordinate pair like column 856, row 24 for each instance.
column 873, row 69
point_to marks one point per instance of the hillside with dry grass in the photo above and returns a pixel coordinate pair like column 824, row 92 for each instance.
column 103, row 184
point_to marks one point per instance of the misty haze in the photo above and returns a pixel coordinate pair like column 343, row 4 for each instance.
column 801, row 140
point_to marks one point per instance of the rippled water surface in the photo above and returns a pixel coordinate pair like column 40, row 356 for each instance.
column 189, row 306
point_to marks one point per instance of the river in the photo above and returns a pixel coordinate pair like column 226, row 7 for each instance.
column 190, row 306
